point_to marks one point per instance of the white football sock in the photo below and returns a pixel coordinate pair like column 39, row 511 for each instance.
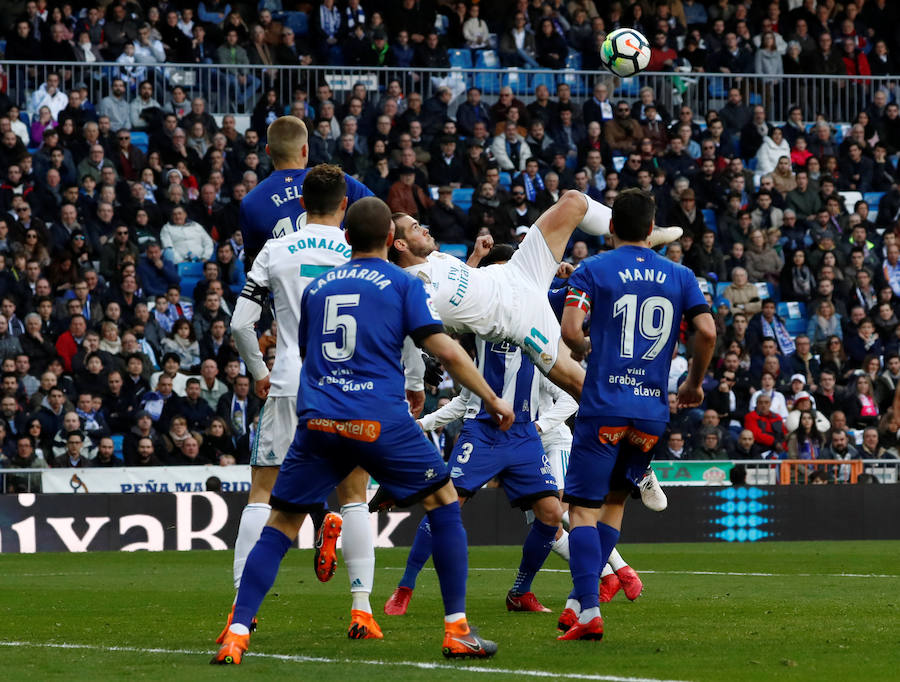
column 561, row 545
column 238, row 629
column 565, row 519
column 588, row 615
column 607, row 570
column 616, row 560
column 596, row 219
column 358, row 548
column 253, row 520
column 573, row 604
column 453, row 617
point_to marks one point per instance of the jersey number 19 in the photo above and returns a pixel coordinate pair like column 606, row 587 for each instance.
column 652, row 326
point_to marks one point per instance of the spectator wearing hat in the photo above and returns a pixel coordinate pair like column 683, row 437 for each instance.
column 686, row 215
column 448, row 222
column 446, row 168
column 407, row 197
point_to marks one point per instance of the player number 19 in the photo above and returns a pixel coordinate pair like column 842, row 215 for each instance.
column 653, row 327
column 336, row 322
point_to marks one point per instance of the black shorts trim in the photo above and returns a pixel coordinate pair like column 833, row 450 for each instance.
column 292, row 508
column 625, row 487
column 526, row 502
column 581, row 501
column 462, row 492
column 422, row 494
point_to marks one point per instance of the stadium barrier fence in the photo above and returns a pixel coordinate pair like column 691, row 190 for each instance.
column 190, row 520
column 172, row 479
column 236, row 89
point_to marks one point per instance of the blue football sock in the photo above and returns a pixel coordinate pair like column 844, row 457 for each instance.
column 418, row 554
column 259, row 573
column 584, row 563
column 450, row 554
column 609, row 536
column 534, row 552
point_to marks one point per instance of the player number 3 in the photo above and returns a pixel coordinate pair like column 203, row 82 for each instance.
column 336, row 322
column 653, row 327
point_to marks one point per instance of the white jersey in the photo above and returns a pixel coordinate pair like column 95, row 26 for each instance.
column 467, row 299
column 285, row 266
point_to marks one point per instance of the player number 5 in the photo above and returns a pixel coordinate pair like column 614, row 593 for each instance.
column 335, row 322
column 653, row 327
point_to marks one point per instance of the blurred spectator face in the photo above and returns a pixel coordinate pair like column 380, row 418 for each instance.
column 676, row 442
column 763, row 403
column 623, row 111
column 581, row 181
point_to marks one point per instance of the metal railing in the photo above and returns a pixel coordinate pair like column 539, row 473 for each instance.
column 236, row 89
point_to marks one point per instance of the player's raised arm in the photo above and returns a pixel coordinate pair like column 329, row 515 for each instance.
column 460, row 366
column 247, row 312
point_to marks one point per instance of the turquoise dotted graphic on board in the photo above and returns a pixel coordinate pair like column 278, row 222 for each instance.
column 743, row 514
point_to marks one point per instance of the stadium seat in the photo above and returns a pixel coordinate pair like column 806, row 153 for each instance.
column 487, row 59
column 850, row 199
column 516, row 80
column 575, row 81
column 794, row 315
column 721, row 286
column 628, row 87
column 488, row 82
column 140, row 140
column 543, row 78
column 460, row 58
column 190, row 269
column 573, row 60
column 709, row 217
column 118, row 440
column 751, row 163
column 298, row 21
column 458, row 250
column 619, row 163
column 717, row 89
column 505, row 180
column 462, row 197
column 873, row 199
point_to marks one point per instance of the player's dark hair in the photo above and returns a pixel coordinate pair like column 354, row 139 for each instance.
column 323, row 189
column 632, row 214
column 499, row 254
column 367, row 224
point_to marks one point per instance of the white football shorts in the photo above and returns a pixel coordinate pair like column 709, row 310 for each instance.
column 277, row 424
column 557, row 446
column 529, row 320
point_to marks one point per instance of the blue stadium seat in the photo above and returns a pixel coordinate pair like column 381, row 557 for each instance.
column 573, row 60
column 547, row 79
column 118, row 440
column 460, row 58
column 187, row 285
column 488, row 83
column 721, row 286
column 628, row 87
column 717, row 89
column 462, row 197
column 458, row 250
column 140, row 140
column 751, row 163
column 516, row 80
column 575, row 81
column 872, row 199
column 709, row 216
column 487, row 59
column 619, row 163
column 794, row 315
column 190, row 269
column 505, row 179
column 298, row 21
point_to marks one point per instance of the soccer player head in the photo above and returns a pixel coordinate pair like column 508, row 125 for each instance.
column 325, row 194
column 412, row 242
column 369, row 227
column 632, row 216
column 287, row 142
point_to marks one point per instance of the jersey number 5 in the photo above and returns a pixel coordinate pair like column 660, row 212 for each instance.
column 340, row 323
column 652, row 326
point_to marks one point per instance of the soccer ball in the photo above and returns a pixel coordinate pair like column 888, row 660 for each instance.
column 625, row 52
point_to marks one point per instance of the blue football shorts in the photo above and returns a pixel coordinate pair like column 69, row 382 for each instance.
column 324, row 451
column 516, row 456
column 608, row 453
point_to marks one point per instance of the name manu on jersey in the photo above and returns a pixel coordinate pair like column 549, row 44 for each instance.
column 642, row 275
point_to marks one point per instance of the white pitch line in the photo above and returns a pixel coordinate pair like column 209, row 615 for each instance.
column 321, row 659
column 732, row 573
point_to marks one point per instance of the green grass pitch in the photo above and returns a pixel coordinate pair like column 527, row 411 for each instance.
column 805, row 622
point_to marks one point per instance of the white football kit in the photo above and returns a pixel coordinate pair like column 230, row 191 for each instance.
column 284, row 267
column 499, row 303
column 555, row 406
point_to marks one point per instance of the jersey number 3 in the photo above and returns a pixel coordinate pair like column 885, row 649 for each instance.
column 654, row 321
column 344, row 324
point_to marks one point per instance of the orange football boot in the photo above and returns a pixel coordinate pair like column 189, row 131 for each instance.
column 461, row 641
column 232, row 649
column 326, row 546
column 363, row 626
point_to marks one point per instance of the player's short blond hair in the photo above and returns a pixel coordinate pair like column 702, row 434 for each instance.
column 285, row 138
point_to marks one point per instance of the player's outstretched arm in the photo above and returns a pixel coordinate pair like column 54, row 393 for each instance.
column 247, row 311
column 452, row 411
column 460, row 366
column 483, row 246
column 690, row 393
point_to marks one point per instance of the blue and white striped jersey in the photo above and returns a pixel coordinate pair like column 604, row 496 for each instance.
column 511, row 375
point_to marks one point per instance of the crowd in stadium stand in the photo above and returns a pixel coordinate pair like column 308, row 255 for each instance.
column 120, row 261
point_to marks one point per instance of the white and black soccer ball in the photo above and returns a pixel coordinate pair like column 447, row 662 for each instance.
column 625, row 52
